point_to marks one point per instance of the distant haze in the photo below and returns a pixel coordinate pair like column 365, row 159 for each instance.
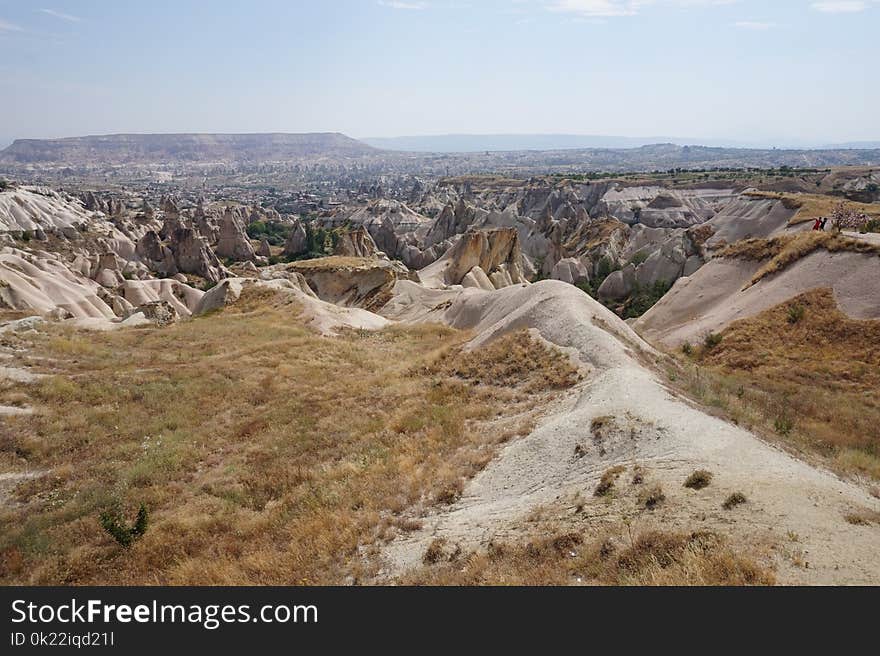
column 470, row 143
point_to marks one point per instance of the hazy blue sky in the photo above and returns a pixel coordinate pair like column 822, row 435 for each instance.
column 746, row 69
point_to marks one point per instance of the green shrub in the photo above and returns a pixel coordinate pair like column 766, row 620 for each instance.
column 604, row 268
column 321, row 242
column 795, row 313
column 687, row 349
column 639, row 258
column 711, row 340
column 586, row 287
column 644, row 298
column 783, row 425
column 114, row 524
column 272, row 231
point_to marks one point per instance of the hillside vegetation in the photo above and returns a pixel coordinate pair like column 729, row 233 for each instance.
column 261, row 452
column 803, row 373
column 783, row 251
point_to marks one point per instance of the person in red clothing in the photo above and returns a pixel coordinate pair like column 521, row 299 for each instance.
column 818, row 224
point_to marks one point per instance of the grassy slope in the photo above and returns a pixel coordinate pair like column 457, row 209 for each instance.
column 264, row 453
column 811, row 206
column 803, row 373
column 783, row 251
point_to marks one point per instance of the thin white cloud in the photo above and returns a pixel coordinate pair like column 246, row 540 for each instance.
column 595, row 8
column 754, row 25
column 6, row 26
column 400, row 4
column 840, row 6
column 61, row 15
column 610, row 8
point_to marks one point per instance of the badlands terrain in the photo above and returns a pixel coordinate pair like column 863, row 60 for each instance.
column 374, row 373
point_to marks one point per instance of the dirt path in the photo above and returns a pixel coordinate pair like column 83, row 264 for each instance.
column 790, row 503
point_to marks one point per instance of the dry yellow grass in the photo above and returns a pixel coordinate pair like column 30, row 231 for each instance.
column 518, row 356
column 651, row 558
column 804, row 373
column 812, row 206
column 783, row 251
column 592, row 234
column 332, row 262
column 609, row 478
column 264, row 453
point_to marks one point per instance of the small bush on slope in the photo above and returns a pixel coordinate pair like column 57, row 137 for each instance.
column 652, row 497
column 795, row 313
column 698, row 480
column 606, row 483
column 734, row 500
column 114, row 524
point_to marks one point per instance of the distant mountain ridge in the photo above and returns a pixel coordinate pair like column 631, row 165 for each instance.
column 473, row 143
column 187, row 147
column 120, row 155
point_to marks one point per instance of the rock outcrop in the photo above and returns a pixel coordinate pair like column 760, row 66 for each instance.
column 297, row 241
column 619, row 284
column 346, row 281
column 495, row 252
column 180, row 296
column 44, row 284
column 161, row 313
column 32, row 209
column 655, row 256
column 232, row 242
column 356, row 243
column 570, row 270
column 193, row 255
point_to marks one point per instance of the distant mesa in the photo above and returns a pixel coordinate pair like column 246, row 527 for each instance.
column 145, row 148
